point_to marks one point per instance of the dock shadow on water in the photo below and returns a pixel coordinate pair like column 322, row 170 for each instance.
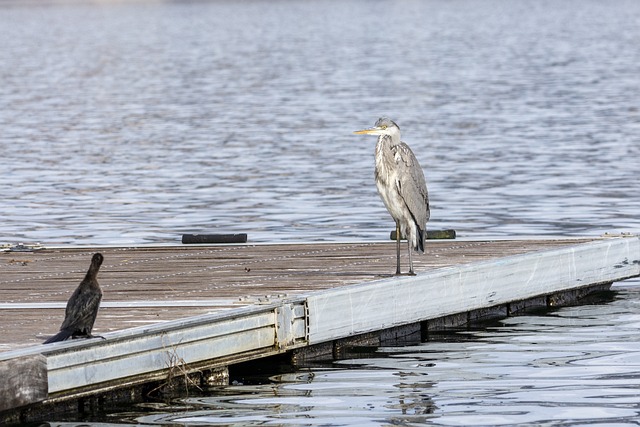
column 571, row 366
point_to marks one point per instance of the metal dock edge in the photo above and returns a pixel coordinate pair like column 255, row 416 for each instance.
column 451, row 290
column 134, row 356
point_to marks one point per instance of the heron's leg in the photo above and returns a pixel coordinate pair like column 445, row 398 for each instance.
column 411, row 273
column 397, row 247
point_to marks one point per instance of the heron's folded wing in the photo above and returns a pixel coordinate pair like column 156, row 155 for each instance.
column 412, row 184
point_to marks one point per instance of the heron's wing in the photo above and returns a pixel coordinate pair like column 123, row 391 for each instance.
column 82, row 309
column 412, row 185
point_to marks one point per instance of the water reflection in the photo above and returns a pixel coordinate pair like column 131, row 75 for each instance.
column 327, row 397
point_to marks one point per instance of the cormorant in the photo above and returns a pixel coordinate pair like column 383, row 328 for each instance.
column 82, row 307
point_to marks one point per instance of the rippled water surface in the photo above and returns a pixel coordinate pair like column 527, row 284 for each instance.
column 137, row 121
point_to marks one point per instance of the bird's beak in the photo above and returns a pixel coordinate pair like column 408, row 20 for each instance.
column 370, row 131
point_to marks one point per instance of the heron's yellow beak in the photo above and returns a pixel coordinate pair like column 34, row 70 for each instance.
column 370, row 131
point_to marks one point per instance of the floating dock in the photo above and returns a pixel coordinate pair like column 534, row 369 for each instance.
column 198, row 309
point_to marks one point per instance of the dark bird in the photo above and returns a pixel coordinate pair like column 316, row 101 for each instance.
column 82, row 307
column 402, row 187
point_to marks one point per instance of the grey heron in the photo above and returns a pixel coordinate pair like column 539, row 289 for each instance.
column 402, row 187
column 82, row 307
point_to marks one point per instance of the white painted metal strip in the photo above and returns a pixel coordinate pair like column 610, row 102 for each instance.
column 125, row 304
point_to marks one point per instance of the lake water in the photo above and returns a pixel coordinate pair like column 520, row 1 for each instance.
column 137, row 121
column 128, row 122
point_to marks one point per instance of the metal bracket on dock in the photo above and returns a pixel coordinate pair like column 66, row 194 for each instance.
column 291, row 324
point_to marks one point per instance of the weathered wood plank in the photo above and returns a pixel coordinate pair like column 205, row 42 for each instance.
column 23, row 381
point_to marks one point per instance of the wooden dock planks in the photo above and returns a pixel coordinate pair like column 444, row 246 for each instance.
column 146, row 285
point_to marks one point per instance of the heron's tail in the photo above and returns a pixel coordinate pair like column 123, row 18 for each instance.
column 422, row 234
column 60, row 336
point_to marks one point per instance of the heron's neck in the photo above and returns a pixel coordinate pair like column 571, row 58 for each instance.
column 388, row 141
column 384, row 157
column 385, row 142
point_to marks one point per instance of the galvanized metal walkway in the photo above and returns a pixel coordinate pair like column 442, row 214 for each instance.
column 251, row 301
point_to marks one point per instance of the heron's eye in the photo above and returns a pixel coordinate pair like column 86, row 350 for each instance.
column 383, row 127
